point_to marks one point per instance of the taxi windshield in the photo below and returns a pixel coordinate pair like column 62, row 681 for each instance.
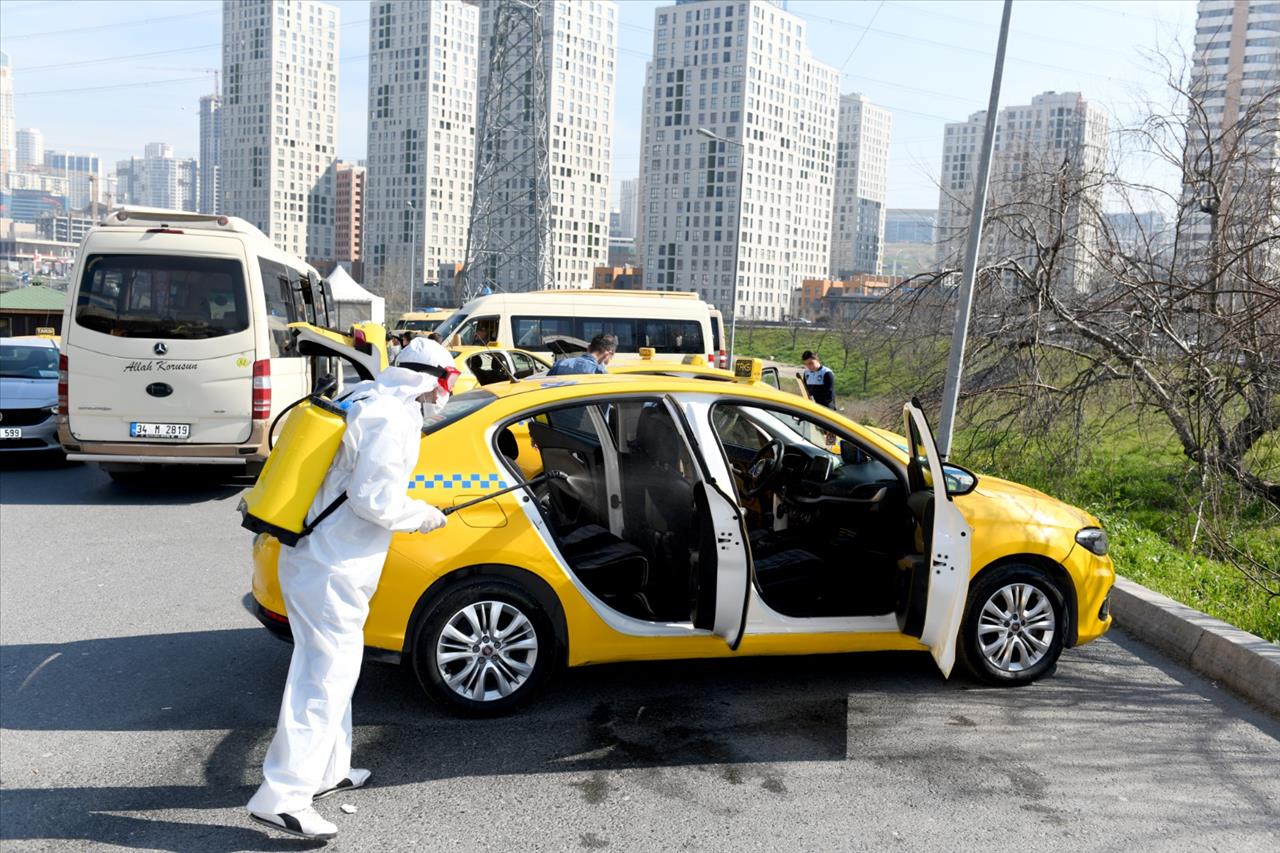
column 21, row 361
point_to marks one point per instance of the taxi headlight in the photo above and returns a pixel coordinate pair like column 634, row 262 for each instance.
column 1095, row 539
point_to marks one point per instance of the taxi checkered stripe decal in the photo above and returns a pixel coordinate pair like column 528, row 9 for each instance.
column 458, row 481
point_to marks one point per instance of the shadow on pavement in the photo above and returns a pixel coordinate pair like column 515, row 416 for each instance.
column 592, row 721
column 51, row 481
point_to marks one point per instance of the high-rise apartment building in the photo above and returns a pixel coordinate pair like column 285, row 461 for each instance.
column 628, row 208
column 8, row 121
column 83, row 173
column 30, row 148
column 158, row 179
column 742, row 71
column 861, row 186
column 210, row 152
column 421, row 152
column 579, row 56
column 349, row 180
column 1235, row 74
column 279, row 120
column 1047, row 158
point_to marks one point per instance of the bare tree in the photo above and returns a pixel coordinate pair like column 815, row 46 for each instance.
column 1082, row 312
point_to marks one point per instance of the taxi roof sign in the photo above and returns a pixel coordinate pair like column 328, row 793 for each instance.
column 46, row 330
column 747, row 369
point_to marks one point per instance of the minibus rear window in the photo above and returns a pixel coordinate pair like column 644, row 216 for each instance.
column 162, row 296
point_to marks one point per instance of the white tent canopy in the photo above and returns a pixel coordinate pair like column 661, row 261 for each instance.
column 352, row 303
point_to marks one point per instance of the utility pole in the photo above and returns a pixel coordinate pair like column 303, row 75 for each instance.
column 413, row 251
column 955, row 364
column 737, row 231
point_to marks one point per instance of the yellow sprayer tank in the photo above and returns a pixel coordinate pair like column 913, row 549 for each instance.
column 294, row 471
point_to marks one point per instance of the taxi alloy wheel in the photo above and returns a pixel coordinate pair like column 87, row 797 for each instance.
column 487, row 650
column 484, row 648
column 1015, row 624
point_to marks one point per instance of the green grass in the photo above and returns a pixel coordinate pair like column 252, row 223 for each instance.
column 1138, row 482
column 1129, row 472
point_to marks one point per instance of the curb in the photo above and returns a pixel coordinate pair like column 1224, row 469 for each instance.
column 1244, row 662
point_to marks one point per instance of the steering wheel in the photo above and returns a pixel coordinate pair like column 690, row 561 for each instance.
column 763, row 468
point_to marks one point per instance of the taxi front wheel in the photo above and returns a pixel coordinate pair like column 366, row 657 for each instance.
column 1014, row 626
column 484, row 648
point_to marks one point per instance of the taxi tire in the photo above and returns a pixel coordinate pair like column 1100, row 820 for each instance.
column 438, row 613
column 970, row 654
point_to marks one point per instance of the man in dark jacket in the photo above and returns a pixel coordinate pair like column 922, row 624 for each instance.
column 819, row 381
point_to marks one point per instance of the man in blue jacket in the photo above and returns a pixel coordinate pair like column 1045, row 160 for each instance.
column 599, row 351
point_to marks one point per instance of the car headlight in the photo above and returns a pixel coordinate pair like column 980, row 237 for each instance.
column 1095, row 539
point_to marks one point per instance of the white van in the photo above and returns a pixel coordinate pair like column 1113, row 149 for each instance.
column 175, row 347
column 672, row 323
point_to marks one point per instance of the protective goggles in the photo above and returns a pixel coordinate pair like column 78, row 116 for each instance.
column 446, row 376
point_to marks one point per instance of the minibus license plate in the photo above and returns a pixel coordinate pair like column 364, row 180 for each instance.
column 10, row 432
column 137, row 430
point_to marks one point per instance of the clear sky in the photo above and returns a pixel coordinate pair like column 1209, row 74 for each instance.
column 109, row 77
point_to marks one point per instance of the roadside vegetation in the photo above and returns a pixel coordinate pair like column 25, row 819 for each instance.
column 1130, row 471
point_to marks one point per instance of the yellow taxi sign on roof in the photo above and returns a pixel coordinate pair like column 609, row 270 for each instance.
column 697, row 360
column 46, row 330
column 747, row 369
column 647, row 352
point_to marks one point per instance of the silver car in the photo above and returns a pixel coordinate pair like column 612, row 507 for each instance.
column 28, row 394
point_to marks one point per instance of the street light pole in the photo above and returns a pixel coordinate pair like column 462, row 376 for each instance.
column 955, row 364
column 737, row 233
column 413, row 250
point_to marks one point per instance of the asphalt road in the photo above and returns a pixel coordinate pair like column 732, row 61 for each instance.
column 137, row 699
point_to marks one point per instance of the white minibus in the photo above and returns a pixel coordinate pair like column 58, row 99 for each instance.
column 672, row 323
column 175, row 346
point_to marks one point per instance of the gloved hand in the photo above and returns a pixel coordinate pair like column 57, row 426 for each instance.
column 434, row 521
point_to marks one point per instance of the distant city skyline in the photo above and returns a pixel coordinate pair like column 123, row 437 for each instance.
column 928, row 63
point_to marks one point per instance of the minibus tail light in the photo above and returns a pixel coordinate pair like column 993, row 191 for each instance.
column 62, row 383
column 262, row 389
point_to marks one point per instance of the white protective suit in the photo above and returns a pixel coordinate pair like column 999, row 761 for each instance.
column 329, row 577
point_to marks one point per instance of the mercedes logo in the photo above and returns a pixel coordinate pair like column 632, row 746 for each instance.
column 161, row 348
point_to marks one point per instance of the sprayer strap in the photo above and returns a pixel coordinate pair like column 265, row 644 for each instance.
column 325, row 513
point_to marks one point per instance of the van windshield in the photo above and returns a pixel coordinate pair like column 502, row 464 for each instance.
column 448, row 327
column 162, row 296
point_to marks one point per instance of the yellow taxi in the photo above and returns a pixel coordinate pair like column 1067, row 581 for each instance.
column 658, row 517
column 486, row 365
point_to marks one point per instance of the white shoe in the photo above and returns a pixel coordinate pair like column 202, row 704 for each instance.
column 356, row 778
column 304, row 823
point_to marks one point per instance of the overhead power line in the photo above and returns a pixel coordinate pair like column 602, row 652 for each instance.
column 109, row 59
column 113, row 25
column 136, row 85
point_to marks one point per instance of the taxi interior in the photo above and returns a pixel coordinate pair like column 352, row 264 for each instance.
column 828, row 522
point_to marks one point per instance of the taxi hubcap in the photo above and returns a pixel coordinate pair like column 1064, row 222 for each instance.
column 487, row 650
column 1016, row 627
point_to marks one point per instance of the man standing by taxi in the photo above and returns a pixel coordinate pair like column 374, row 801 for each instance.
column 328, row 578
column 819, row 381
column 599, row 352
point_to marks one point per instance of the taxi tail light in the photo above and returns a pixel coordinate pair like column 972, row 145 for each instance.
column 722, row 361
column 262, row 389
column 62, row 383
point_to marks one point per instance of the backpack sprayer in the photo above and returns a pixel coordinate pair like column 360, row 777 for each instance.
column 294, row 472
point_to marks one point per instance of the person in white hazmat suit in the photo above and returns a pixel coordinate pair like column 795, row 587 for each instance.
column 329, row 577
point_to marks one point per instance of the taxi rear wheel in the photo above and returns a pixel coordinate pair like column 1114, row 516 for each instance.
column 484, row 648
column 1014, row 627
